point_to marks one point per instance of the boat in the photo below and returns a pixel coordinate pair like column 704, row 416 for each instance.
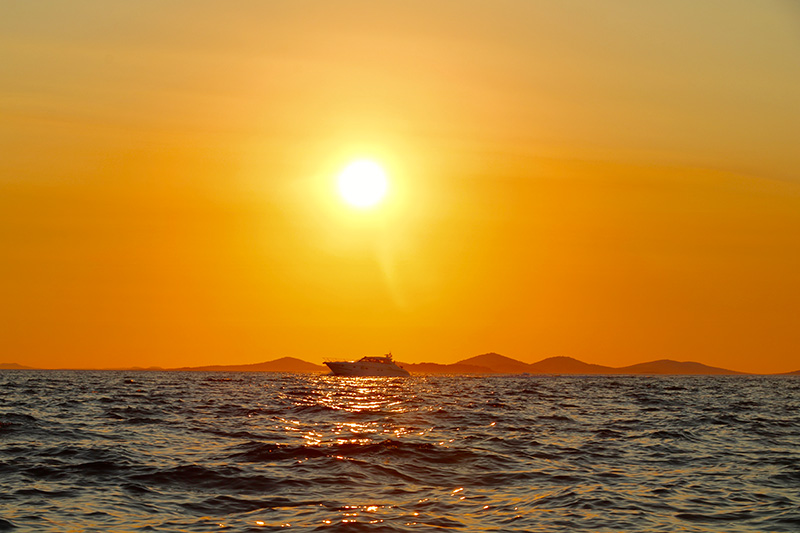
column 370, row 365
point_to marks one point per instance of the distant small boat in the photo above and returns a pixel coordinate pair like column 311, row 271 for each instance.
column 370, row 365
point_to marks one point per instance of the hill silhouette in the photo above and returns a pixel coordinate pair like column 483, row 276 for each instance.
column 284, row 364
column 494, row 363
column 437, row 368
column 501, row 364
column 668, row 366
column 488, row 363
column 568, row 365
column 497, row 363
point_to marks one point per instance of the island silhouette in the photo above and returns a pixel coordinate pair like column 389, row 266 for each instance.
column 488, row 363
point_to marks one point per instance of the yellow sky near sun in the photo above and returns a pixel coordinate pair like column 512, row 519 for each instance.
column 615, row 181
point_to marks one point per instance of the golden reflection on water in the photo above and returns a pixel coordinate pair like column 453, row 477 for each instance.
column 366, row 411
column 360, row 394
column 357, row 396
column 372, row 411
column 353, row 396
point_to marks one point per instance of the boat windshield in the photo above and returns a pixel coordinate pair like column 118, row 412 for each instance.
column 376, row 359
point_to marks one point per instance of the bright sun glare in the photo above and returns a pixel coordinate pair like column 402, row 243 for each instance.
column 363, row 183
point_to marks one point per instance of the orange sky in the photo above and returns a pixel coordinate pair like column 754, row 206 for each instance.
column 614, row 181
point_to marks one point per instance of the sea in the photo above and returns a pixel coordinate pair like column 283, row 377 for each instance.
column 121, row 451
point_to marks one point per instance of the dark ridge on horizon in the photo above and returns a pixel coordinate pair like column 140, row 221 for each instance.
column 455, row 368
column 135, row 368
column 668, row 366
column 488, row 363
column 498, row 363
column 284, row 364
column 15, row 366
column 570, row 365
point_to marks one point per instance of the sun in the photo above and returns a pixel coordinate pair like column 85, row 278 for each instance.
column 363, row 183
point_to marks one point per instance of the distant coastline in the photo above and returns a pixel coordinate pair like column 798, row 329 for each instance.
column 15, row 366
column 489, row 363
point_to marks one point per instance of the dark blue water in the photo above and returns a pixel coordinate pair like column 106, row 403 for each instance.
column 127, row 451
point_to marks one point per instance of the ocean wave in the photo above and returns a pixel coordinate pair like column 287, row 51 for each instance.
column 108, row 451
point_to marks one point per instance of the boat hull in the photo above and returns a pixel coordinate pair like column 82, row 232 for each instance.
column 351, row 368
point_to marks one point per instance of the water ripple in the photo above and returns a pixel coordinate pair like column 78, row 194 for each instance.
column 150, row 451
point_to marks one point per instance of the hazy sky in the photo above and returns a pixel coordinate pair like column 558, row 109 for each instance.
column 616, row 181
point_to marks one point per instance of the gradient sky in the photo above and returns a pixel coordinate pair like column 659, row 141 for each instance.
column 616, row 181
